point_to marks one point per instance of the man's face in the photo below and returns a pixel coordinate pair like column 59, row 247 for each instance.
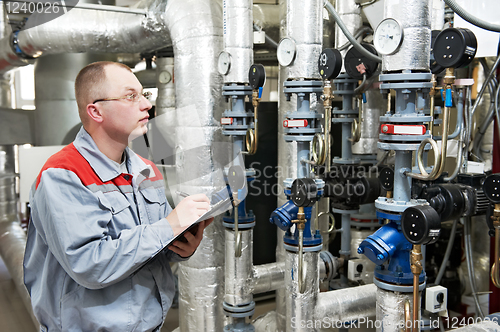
column 123, row 119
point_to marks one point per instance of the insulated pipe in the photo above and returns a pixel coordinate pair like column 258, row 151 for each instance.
column 350, row 13
column 198, row 108
column 12, row 244
column 390, row 309
column 165, row 102
column 348, row 304
column 110, row 32
column 305, row 27
column 414, row 52
column 238, row 38
column 268, row 277
column 301, row 306
column 238, row 271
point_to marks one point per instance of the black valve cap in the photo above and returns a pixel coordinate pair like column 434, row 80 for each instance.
column 386, row 178
column 455, row 47
column 356, row 63
column 257, row 76
column 330, row 63
column 304, row 192
column 491, row 187
column 421, row 224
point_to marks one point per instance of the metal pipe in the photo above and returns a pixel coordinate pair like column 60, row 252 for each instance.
column 268, row 277
column 447, row 253
column 201, row 290
column 346, row 305
column 485, row 84
column 124, row 31
column 238, row 38
column 238, row 271
column 301, row 306
column 470, row 266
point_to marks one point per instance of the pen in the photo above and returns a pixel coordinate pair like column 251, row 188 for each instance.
column 181, row 193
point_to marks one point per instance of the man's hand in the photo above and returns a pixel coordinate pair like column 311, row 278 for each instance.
column 186, row 249
column 187, row 212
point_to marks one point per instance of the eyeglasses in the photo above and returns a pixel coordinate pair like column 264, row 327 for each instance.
column 133, row 97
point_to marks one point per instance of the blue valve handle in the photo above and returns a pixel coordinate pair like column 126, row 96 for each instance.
column 449, row 98
column 260, row 92
column 364, row 98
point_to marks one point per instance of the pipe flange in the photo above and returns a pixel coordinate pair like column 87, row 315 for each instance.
column 345, row 112
column 414, row 118
column 241, row 226
column 405, row 77
column 14, row 44
column 400, row 146
column 240, row 311
column 236, row 90
column 397, row 288
column 403, row 138
column 341, row 211
column 390, row 205
column 344, row 120
column 340, row 161
column 293, row 248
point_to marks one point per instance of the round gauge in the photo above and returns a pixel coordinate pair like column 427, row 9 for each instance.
column 329, row 63
column 304, row 192
column 286, row 51
column 455, row 47
column 224, row 63
column 164, row 77
column 357, row 64
column 257, row 76
column 388, row 36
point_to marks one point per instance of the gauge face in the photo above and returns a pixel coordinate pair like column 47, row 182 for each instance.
column 329, row 63
column 286, row 51
column 164, row 77
column 388, row 36
column 224, row 63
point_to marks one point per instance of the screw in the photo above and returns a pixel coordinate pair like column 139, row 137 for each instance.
column 360, row 250
column 380, row 257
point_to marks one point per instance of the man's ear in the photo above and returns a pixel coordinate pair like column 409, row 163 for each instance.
column 94, row 112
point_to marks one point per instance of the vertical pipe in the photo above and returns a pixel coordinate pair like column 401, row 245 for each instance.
column 300, row 306
column 238, row 271
column 402, row 183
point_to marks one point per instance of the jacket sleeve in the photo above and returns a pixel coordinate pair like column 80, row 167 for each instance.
column 69, row 218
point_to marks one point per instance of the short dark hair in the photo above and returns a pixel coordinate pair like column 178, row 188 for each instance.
column 89, row 84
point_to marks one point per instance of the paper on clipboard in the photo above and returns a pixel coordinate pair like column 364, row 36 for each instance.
column 220, row 207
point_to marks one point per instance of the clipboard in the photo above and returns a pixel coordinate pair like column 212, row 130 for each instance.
column 216, row 209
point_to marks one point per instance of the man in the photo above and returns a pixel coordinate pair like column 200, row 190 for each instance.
column 98, row 249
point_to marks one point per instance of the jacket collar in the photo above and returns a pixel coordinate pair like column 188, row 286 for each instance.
column 105, row 169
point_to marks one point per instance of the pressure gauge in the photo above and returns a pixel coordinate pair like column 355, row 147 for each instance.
column 257, row 76
column 455, row 47
column 286, row 51
column 224, row 63
column 388, row 36
column 304, row 192
column 164, row 77
column 329, row 63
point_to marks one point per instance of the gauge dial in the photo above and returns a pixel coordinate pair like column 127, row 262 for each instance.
column 164, row 77
column 286, row 51
column 224, row 63
column 388, row 36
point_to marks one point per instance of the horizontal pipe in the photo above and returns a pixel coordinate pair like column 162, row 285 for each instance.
column 348, row 304
column 111, row 31
column 268, row 277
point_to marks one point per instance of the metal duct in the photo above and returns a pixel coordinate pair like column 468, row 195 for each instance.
column 111, row 31
column 238, row 270
column 390, row 309
column 437, row 15
column 370, row 123
column 56, row 113
column 414, row 52
column 13, row 237
column 268, row 277
column 198, row 108
column 8, row 195
column 165, row 102
column 305, row 27
column 350, row 13
column 12, row 251
column 347, row 305
column 300, row 307
column 238, row 38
